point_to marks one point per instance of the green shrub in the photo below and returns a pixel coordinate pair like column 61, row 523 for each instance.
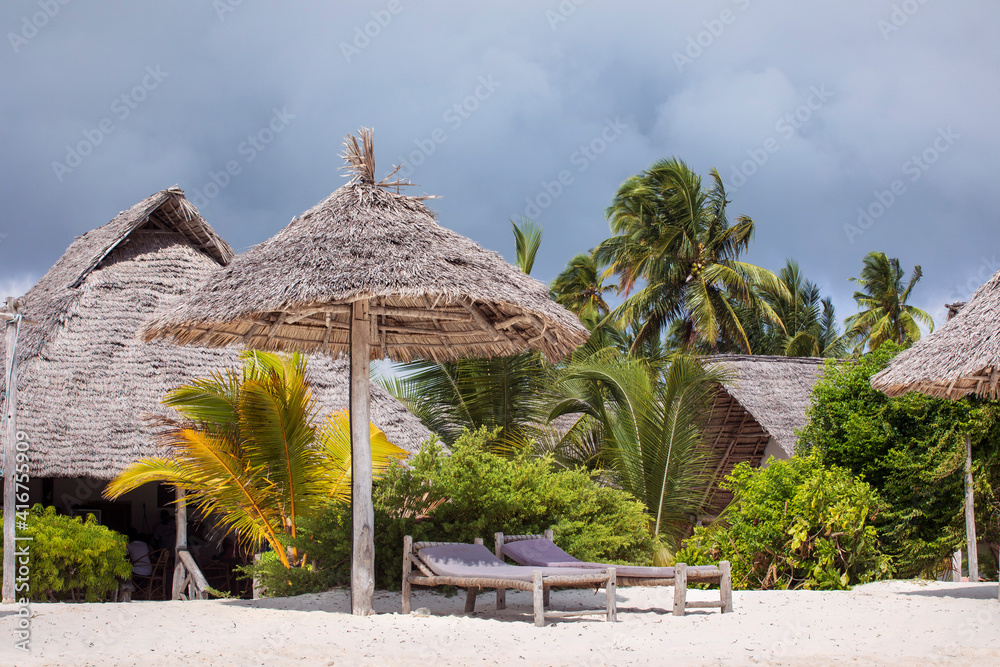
column 71, row 558
column 911, row 449
column 794, row 524
column 468, row 494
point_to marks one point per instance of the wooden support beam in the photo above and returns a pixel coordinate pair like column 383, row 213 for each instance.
column 362, row 511
column 9, row 467
column 180, row 543
column 970, row 515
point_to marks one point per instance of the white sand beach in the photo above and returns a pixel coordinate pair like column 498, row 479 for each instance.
column 887, row 623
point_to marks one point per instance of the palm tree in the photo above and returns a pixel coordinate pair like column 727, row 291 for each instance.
column 882, row 302
column 650, row 427
column 580, row 287
column 810, row 322
column 527, row 241
column 674, row 236
column 249, row 449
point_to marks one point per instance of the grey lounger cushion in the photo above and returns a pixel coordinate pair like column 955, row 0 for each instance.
column 475, row 560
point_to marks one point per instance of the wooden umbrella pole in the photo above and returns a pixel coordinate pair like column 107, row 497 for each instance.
column 970, row 515
column 362, row 512
column 9, row 441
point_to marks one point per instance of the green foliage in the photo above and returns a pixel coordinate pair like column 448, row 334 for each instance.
column 71, row 558
column 795, row 524
column 475, row 493
column 912, row 450
column 649, row 418
column 252, row 450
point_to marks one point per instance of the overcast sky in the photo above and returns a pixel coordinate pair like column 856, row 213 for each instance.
column 812, row 112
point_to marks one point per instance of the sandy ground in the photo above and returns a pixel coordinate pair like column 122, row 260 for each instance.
column 888, row 623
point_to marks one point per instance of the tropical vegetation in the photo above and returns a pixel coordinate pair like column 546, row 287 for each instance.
column 72, row 558
column 911, row 450
column 795, row 524
column 251, row 449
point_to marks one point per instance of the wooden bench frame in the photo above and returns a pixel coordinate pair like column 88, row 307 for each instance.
column 720, row 574
column 539, row 585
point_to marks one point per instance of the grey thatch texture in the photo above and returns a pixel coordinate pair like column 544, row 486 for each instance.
column 86, row 378
column 960, row 358
column 434, row 293
column 775, row 391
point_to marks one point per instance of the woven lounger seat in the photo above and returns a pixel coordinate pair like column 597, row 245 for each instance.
column 473, row 567
column 541, row 551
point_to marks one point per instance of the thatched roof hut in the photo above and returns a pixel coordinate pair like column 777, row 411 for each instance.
column 756, row 415
column 434, row 293
column 85, row 376
column 960, row 358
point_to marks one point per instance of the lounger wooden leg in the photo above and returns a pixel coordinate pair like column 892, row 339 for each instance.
column 501, row 592
column 539, row 598
column 407, row 567
column 470, row 599
column 726, row 587
column 680, row 588
column 611, row 589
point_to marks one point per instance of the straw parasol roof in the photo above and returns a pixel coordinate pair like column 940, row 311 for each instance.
column 960, row 358
column 434, row 293
column 368, row 272
column 85, row 377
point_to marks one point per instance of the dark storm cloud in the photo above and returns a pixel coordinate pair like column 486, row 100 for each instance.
column 840, row 128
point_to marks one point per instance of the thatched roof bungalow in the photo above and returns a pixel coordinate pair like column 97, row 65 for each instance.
column 754, row 417
column 86, row 378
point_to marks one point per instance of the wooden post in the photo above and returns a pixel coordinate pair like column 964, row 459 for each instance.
column 501, row 592
column 970, row 515
column 180, row 543
column 726, row 586
column 680, row 588
column 407, row 568
column 537, row 597
column 610, row 590
column 956, row 565
column 9, row 466
column 362, row 512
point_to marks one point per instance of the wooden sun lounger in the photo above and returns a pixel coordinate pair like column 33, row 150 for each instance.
column 682, row 575
column 542, row 580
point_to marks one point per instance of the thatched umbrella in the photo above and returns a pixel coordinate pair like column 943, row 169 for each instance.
column 368, row 272
column 86, row 379
column 961, row 358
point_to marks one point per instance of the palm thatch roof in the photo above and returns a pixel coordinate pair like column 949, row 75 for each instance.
column 766, row 401
column 434, row 294
column 86, row 379
column 960, row 358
